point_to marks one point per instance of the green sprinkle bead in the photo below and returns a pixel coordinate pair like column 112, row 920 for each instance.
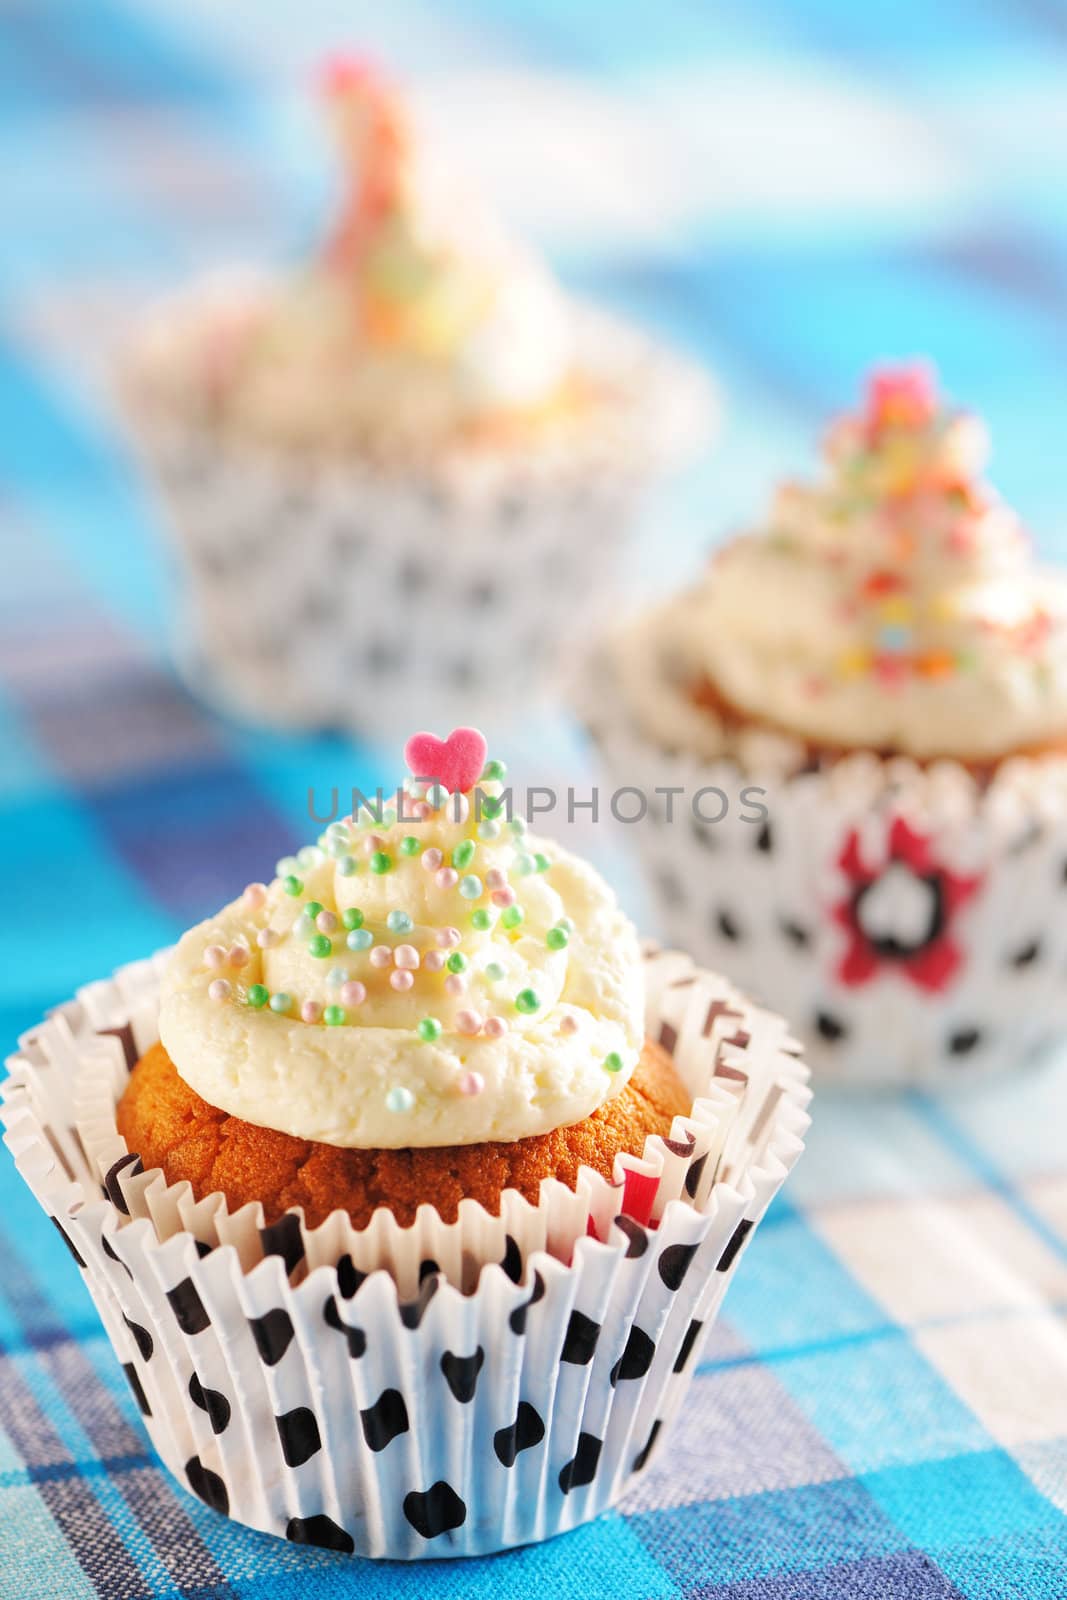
column 333, row 1016
column 528, row 1001
column 542, row 863
column 410, row 846
column 494, row 772
column 481, row 920
column 293, row 885
column 512, row 917
column 380, row 862
column 613, row 1062
column 399, row 1099
column 352, row 917
column 463, row 854
column 321, row 945
column 429, row 1029
column 281, row 1002
column 557, row 938
column 258, row 995
column 312, row 909
column 457, row 962
column 491, row 807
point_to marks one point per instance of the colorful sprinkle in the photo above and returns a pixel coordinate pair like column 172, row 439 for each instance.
column 496, row 878
column 312, row 909
column 526, row 864
column 568, row 1024
column 292, row 884
column 309, row 856
column 495, row 1027
column 446, row 878
column 267, row 938
column 468, row 1023
column 513, row 915
column 527, row 1001
column 481, row 920
column 429, row 1030
column 281, row 1003
column 337, row 975
column 381, row 862
column 333, row 1016
column 557, row 938
column 455, row 984
column 352, row 917
column 348, row 866
column 255, row 895
column 471, row 887
column 470, row 1083
column 326, row 922
column 613, row 1062
column 463, row 854
column 320, row 946
column 399, row 922
column 494, row 971
column 541, row 862
column 494, row 772
column 401, row 981
column 436, row 796
column 410, row 846
column 360, row 939
column 406, row 957
column 215, row 956
column 310, row 1011
column 457, row 962
column 399, row 1099
column 257, row 996
column 432, row 858
column 488, row 829
column 448, row 938
column 353, row 993
column 381, row 956
column 518, row 826
column 219, row 989
column 433, row 960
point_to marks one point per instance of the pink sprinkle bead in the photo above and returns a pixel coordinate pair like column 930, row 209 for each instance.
column 373, row 842
column 455, row 984
column 496, row 878
column 504, row 897
column 471, row 1083
column 310, row 1011
column 433, row 960
column 215, row 956
column 266, row 938
column 401, row 980
column 495, row 1027
column 381, row 956
column 447, row 878
column 255, row 896
column 431, row 859
column 326, row 922
column 468, row 1022
column 448, row 938
column 568, row 1024
column 421, row 811
column 353, row 993
column 218, row 989
column 238, row 955
column 406, row 957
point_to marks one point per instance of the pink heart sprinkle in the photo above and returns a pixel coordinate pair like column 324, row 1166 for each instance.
column 455, row 762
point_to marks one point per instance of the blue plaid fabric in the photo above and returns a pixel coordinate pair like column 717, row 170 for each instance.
column 788, row 192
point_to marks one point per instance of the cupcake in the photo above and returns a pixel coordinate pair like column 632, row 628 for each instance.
column 874, row 685
column 378, row 468
column 408, row 1186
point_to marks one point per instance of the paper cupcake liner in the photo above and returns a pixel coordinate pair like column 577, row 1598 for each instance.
column 353, row 594
column 910, row 921
column 350, row 1389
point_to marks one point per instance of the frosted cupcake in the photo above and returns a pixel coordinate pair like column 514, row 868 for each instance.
column 425, row 1184
column 887, row 664
column 418, row 431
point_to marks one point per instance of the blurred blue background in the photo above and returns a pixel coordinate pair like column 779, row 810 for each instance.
column 789, row 192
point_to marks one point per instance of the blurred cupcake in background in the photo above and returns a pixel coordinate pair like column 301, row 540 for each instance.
column 886, row 665
column 380, row 467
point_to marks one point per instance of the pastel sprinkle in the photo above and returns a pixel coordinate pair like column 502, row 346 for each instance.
column 463, row 854
column 281, row 1002
column 432, row 858
column 493, row 772
column 310, row 1011
column 494, row 971
column 457, row 962
column 436, row 796
column 337, row 975
column 399, row 922
column 326, row 922
column 513, row 915
column 429, row 1029
column 406, row 957
column 320, row 946
column 613, row 1062
column 309, row 856
column 380, row 862
column 468, row 1023
column 312, row 909
column 481, row 920
column 401, row 981
column 292, row 884
column 557, row 938
column 238, row 955
column 285, row 866
column 348, row 866
column 399, row 1099
column 527, row 1001
column 471, row 1083
column 455, row 984
column 568, row 1024
column 496, row 878
column 352, row 917
column 518, row 826
column 433, row 960
column 446, row 878
column 488, row 829
column 353, row 993
column 360, row 939
column 526, row 864
column 448, row 938
column 410, row 846
column 266, row 938
column 255, row 895
column 218, row 989
column 495, row 1027
column 215, row 956
column 333, row 1016
column 471, row 887
column 257, row 996
column 381, row 956
column 541, row 862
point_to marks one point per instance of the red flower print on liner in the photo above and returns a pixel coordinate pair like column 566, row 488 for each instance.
column 899, row 916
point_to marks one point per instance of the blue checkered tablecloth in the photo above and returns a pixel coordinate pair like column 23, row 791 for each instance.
column 788, row 191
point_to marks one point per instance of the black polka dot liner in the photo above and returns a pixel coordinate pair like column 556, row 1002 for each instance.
column 398, row 1382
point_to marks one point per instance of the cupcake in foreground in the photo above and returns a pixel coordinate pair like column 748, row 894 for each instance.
column 886, row 663
column 423, row 1182
column 418, row 423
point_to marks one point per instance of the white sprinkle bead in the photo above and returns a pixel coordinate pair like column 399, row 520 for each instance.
column 215, row 956
column 446, row 878
column 353, row 993
column 381, row 956
column 326, row 922
column 239, row 955
column 471, row 1083
column 255, row 896
column 399, row 1099
column 433, row 960
column 496, row 878
column 460, row 808
column 568, row 1024
column 406, row 957
column 469, row 1023
column 437, row 796
column 337, row 975
column 504, row 897
column 310, row 1011
column 267, row 938
column 401, row 980
column 455, row 983
column 432, row 858
column 495, row 1027
column 218, row 989
column 488, row 829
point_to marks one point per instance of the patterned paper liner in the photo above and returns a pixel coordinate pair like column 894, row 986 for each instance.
column 351, row 594
column 970, row 982
column 498, row 1390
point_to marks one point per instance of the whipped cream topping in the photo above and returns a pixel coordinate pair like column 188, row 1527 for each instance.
column 893, row 606
column 431, row 978
column 418, row 320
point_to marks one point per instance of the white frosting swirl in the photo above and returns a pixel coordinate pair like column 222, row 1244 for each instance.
column 540, row 1022
column 894, row 607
